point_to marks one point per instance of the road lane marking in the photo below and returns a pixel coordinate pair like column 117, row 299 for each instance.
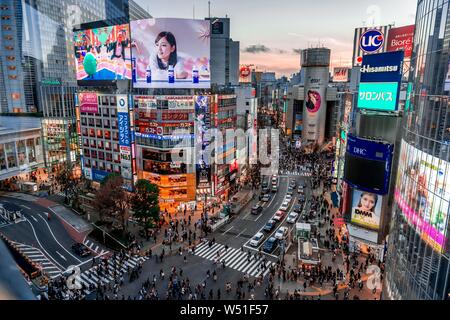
column 25, row 207
column 228, row 230
column 240, row 233
column 34, row 218
column 61, row 256
column 48, row 226
column 42, row 247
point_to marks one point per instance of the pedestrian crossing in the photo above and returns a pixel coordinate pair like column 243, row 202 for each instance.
column 94, row 247
column 234, row 259
column 3, row 222
column 90, row 279
column 295, row 173
column 36, row 255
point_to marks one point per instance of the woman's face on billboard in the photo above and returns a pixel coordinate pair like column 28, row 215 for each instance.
column 367, row 202
column 164, row 49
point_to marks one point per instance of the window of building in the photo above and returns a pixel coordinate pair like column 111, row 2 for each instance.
column 101, row 165
column 11, row 68
column 7, row 27
column 8, row 37
column 5, row 18
column 15, row 96
column 83, row 121
column 106, row 123
column 86, row 153
column 107, row 145
column 116, row 158
column 10, row 149
column 108, row 156
column 9, row 48
column 31, row 150
column 101, row 155
column 99, row 133
column 100, row 144
column 109, row 167
column 93, row 153
column 10, row 58
column 12, row 77
column 2, row 157
column 84, row 132
column 91, row 133
column 107, row 134
column 85, row 142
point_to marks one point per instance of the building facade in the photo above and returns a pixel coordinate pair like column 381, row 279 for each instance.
column 417, row 265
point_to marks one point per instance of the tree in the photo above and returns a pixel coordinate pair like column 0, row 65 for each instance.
column 65, row 178
column 145, row 203
column 111, row 200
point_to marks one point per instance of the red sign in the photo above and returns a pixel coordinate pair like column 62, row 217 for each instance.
column 401, row 39
column 88, row 102
column 175, row 116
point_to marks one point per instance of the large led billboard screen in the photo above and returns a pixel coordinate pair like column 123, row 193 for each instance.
column 103, row 53
column 368, row 164
column 401, row 39
column 423, row 194
column 171, row 53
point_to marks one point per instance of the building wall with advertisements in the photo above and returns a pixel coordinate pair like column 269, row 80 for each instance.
column 418, row 250
column 224, row 170
column 107, row 136
column 316, row 61
column 165, row 130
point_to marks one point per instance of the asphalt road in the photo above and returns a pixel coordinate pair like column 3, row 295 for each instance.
column 48, row 236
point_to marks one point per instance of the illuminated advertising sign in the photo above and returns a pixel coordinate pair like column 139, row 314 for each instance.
column 146, row 102
column 382, row 67
column 381, row 75
column 171, row 53
column 340, row 74
column 366, row 209
column 175, row 116
column 99, row 175
column 298, row 122
column 378, row 96
column 423, row 194
column 202, row 125
column 369, row 41
column 368, row 164
column 103, row 53
column 401, row 39
column 88, row 102
column 245, row 74
column 125, row 155
column 124, row 128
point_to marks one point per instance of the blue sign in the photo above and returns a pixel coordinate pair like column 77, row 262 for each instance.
column 369, row 149
column 99, row 175
column 371, row 40
column 382, row 67
column 124, row 129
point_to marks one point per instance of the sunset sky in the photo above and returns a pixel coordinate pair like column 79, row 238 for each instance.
column 271, row 32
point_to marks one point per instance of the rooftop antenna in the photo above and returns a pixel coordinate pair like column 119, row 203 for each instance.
column 209, row 9
column 193, row 10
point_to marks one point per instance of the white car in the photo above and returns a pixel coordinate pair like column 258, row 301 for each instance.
column 288, row 198
column 284, row 206
column 281, row 233
column 292, row 217
column 257, row 239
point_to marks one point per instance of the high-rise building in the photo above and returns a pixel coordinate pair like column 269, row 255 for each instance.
column 417, row 265
column 224, row 53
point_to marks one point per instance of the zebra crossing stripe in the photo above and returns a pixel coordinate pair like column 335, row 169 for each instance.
column 200, row 246
column 231, row 252
column 266, row 272
column 241, row 263
column 203, row 249
column 96, row 249
column 208, row 251
column 213, row 253
column 240, row 258
column 86, row 278
column 250, row 266
column 236, row 258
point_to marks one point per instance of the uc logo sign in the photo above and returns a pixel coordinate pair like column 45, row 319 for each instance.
column 371, row 40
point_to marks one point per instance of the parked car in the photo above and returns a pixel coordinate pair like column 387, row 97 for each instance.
column 257, row 209
column 281, row 233
column 290, row 191
column 270, row 244
column 300, row 190
column 274, row 188
column 265, row 190
column 292, row 217
column 270, row 225
column 266, row 197
column 81, row 250
column 288, row 198
column 279, row 215
column 257, row 239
